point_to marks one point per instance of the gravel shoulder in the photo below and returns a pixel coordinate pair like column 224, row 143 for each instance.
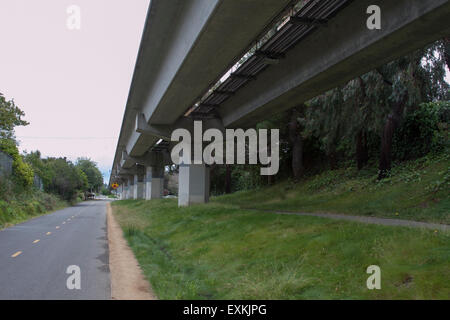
column 127, row 279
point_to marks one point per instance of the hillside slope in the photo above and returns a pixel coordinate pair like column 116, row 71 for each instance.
column 416, row 190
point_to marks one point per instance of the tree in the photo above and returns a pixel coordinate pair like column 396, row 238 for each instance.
column 93, row 174
column 411, row 80
column 359, row 119
column 10, row 117
column 66, row 179
column 326, row 121
column 22, row 172
column 58, row 175
column 295, row 138
column 39, row 166
column 375, row 104
column 227, row 178
column 447, row 51
column 105, row 190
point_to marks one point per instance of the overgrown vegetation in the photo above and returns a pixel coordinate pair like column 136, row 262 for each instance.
column 61, row 176
column 218, row 251
column 19, row 207
column 22, row 172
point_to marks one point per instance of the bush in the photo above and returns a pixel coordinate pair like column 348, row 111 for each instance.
column 105, row 191
column 20, row 207
column 22, row 171
column 422, row 131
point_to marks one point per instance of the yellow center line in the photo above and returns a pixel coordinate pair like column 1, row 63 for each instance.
column 48, row 233
column 36, row 241
column 16, row 254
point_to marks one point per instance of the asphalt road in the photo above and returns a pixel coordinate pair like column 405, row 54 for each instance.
column 35, row 255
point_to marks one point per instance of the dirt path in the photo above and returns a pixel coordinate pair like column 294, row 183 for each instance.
column 370, row 220
column 127, row 280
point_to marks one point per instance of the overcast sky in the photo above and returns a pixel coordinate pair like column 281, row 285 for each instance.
column 71, row 84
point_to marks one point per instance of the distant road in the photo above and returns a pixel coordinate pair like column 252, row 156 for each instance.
column 34, row 255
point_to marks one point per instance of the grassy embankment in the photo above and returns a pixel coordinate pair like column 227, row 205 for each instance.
column 417, row 190
column 26, row 206
column 222, row 251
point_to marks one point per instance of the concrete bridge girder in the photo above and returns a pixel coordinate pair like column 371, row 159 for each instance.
column 163, row 87
column 149, row 159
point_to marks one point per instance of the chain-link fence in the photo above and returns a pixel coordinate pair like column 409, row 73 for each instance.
column 6, row 162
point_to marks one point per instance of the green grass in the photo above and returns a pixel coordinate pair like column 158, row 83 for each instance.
column 417, row 190
column 223, row 250
column 27, row 206
column 219, row 251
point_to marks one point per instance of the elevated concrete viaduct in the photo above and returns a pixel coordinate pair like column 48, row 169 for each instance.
column 188, row 45
column 179, row 58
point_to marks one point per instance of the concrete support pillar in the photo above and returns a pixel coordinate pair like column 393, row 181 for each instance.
column 138, row 187
column 120, row 191
column 144, row 188
column 135, row 187
column 154, row 181
column 130, row 188
column 124, row 190
column 193, row 184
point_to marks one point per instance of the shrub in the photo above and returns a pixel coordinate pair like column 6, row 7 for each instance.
column 423, row 130
column 22, row 171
